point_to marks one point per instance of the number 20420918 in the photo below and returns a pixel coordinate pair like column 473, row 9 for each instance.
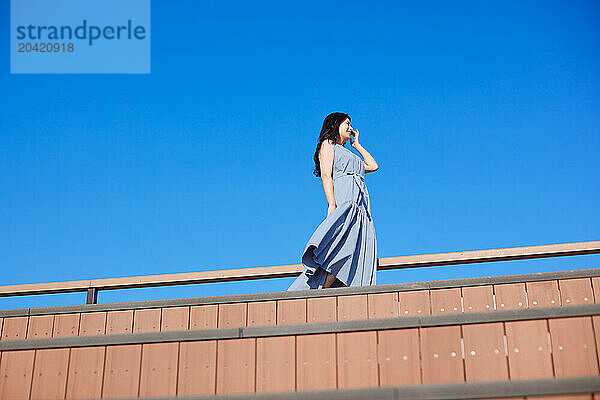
column 46, row 47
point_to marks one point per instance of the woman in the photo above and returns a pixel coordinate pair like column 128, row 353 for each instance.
column 343, row 249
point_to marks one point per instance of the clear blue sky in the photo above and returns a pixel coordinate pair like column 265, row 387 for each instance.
column 483, row 117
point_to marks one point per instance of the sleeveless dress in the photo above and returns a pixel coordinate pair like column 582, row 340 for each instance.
column 344, row 244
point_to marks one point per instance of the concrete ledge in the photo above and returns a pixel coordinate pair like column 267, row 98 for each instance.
column 422, row 321
column 18, row 312
column 125, row 338
column 447, row 391
column 306, row 328
column 440, row 284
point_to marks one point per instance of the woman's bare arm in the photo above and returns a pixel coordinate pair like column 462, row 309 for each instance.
column 370, row 163
column 326, row 164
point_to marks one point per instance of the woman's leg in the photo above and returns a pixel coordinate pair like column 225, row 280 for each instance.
column 329, row 280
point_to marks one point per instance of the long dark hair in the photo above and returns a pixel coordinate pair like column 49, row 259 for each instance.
column 330, row 130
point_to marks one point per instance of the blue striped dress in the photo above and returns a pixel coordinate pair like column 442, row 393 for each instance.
column 344, row 244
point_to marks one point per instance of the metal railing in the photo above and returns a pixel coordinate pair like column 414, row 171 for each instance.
column 284, row 271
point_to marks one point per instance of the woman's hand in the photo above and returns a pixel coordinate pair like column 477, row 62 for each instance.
column 331, row 208
column 354, row 138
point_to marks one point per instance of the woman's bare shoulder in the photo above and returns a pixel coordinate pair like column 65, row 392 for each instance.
column 326, row 151
column 327, row 143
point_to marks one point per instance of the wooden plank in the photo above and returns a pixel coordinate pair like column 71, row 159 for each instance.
column 485, row 356
column 159, row 369
column 321, row 309
column 66, row 325
column 1, row 325
column 50, row 374
column 232, row 315
column 511, row 253
column 441, row 354
column 276, row 364
column 86, row 369
column 261, row 313
column 15, row 328
column 383, row 305
column 478, row 298
column 352, row 307
column 291, row 311
column 399, row 360
column 93, row 323
column 16, row 370
column 44, row 288
column 228, row 275
column 596, row 325
column 122, row 371
column 357, row 360
column 528, row 349
column 573, row 346
column 444, row 301
column 204, row 317
column 510, row 296
column 576, row 291
column 119, row 322
column 596, row 288
column 40, row 326
column 561, row 397
column 197, row 368
column 316, row 362
column 236, row 366
column 414, row 302
column 175, row 319
column 147, row 320
column 542, row 294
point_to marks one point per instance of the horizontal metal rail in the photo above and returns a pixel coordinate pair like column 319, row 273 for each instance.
column 306, row 294
column 284, row 271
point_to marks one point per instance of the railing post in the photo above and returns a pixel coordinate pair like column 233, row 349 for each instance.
column 92, row 296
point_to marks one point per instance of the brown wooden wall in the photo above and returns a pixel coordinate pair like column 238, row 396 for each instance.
column 317, row 309
column 515, row 350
